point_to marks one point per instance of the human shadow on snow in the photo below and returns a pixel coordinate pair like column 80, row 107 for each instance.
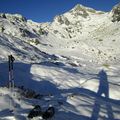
column 99, row 99
column 103, row 89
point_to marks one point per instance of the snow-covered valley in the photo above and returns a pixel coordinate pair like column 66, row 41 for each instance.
column 73, row 63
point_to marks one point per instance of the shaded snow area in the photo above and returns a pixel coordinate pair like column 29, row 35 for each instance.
column 71, row 65
column 75, row 92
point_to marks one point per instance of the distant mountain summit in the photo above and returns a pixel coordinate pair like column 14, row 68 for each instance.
column 72, row 22
column 80, row 10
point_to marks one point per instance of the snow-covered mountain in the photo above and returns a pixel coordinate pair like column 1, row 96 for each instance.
column 92, row 33
column 82, row 30
column 63, row 61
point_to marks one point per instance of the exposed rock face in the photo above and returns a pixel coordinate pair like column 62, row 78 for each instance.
column 15, row 17
column 116, row 13
column 79, row 10
column 62, row 20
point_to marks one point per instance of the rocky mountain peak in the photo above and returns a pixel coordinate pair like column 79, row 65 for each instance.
column 79, row 7
column 13, row 17
column 116, row 13
column 79, row 10
column 83, row 11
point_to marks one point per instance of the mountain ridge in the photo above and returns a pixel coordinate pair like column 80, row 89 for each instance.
column 81, row 28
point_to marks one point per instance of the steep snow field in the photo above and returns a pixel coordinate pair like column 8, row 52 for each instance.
column 73, row 63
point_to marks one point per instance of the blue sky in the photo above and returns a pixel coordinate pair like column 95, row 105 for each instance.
column 45, row 10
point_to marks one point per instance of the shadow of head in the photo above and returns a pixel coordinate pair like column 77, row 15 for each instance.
column 102, row 75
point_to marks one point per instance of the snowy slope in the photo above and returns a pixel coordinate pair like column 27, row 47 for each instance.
column 93, row 34
column 63, row 61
